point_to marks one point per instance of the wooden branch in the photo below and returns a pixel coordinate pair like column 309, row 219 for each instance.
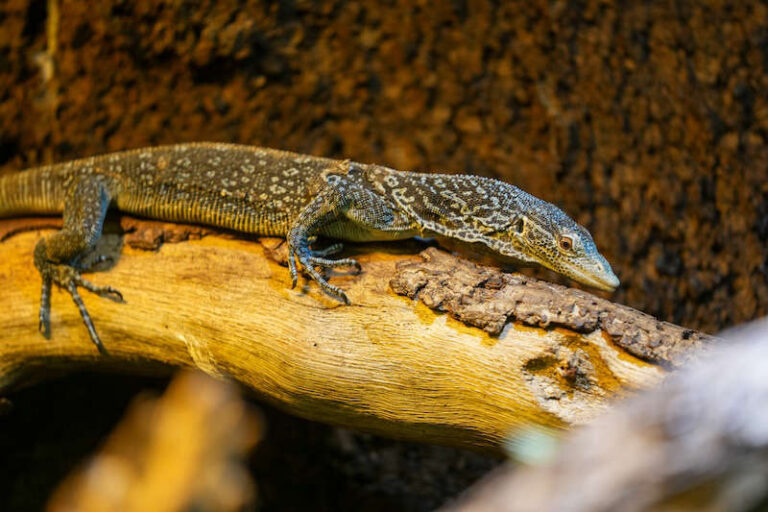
column 699, row 442
column 386, row 364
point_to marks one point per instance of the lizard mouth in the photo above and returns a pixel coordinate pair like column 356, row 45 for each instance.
column 600, row 276
column 607, row 283
column 596, row 273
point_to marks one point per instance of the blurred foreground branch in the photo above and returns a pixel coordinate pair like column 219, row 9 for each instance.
column 183, row 451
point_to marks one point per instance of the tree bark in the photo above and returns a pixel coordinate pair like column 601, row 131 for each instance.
column 533, row 352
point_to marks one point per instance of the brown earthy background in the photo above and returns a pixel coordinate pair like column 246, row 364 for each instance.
column 646, row 121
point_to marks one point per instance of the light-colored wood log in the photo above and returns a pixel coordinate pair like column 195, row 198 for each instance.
column 386, row 364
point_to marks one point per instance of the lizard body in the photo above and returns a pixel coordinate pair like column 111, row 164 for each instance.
column 278, row 193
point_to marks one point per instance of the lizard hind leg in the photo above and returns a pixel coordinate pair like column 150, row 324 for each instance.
column 59, row 257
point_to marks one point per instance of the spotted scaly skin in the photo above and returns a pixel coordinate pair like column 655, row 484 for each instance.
column 299, row 197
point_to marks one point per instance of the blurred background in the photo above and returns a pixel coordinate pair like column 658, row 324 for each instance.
column 646, row 121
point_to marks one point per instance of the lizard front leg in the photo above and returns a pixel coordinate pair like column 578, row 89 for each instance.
column 327, row 206
column 339, row 197
column 59, row 257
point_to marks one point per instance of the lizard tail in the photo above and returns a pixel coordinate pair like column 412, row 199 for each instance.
column 38, row 190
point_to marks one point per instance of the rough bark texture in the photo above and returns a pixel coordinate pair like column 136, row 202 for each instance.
column 488, row 299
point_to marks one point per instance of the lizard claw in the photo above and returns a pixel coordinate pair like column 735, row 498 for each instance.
column 292, row 267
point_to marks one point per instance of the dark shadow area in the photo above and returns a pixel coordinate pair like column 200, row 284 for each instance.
column 299, row 465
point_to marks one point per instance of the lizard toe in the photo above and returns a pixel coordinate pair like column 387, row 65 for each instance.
column 72, row 289
column 44, row 325
column 102, row 291
column 326, row 263
column 292, row 267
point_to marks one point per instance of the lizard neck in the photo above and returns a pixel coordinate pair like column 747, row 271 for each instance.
column 468, row 211
column 438, row 204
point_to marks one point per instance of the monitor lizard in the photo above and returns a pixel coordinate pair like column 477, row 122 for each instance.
column 278, row 193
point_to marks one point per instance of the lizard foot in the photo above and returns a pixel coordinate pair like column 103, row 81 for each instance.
column 68, row 278
column 310, row 259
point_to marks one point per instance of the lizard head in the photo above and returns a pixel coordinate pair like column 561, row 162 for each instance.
column 541, row 233
column 491, row 217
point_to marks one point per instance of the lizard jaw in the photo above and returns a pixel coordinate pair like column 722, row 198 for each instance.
column 608, row 284
column 598, row 275
column 593, row 271
column 596, row 272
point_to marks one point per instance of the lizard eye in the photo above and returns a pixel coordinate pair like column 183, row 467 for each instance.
column 566, row 243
